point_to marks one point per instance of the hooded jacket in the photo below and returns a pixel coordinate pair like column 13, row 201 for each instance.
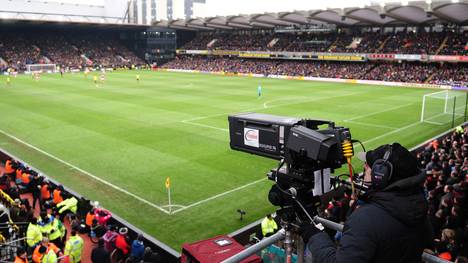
column 391, row 227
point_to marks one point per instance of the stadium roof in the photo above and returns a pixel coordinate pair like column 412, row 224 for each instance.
column 398, row 13
column 4, row 23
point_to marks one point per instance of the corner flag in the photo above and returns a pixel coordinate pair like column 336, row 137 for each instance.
column 168, row 182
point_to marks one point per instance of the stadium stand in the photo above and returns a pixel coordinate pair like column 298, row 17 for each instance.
column 379, row 52
column 366, row 42
column 18, row 184
column 16, row 52
column 456, row 44
column 445, row 162
column 72, row 51
column 413, row 43
column 413, row 72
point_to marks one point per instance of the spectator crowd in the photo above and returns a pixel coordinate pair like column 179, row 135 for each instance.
column 73, row 51
column 50, row 225
column 447, row 74
column 445, row 163
column 403, row 42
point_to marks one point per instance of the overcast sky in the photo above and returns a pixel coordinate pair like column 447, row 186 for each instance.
column 235, row 7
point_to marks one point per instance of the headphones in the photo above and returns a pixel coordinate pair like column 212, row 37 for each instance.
column 382, row 171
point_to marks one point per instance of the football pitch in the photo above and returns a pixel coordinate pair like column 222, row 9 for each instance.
column 117, row 142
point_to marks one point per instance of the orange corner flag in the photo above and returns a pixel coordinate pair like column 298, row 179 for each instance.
column 168, row 182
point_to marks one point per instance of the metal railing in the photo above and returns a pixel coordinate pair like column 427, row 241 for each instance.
column 283, row 234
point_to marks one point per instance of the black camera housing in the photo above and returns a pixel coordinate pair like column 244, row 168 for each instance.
column 302, row 145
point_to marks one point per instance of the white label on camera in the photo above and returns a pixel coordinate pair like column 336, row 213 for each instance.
column 251, row 137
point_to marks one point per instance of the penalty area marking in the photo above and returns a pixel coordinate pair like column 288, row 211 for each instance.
column 402, row 128
column 86, row 173
column 378, row 112
column 373, row 125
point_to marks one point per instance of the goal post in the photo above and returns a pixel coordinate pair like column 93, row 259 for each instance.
column 443, row 107
column 49, row 68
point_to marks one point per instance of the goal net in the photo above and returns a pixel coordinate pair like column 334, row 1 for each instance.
column 444, row 106
column 49, row 68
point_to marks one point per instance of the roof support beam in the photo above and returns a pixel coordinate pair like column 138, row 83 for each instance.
column 261, row 24
column 238, row 25
column 213, row 25
column 291, row 20
column 182, row 28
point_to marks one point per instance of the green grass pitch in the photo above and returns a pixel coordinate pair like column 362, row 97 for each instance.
column 118, row 142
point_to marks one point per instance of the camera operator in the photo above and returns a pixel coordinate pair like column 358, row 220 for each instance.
column 391, row 225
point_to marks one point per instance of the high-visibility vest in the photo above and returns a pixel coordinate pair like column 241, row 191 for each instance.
column 33, row 235
column 46, row 227
column 69, row 204
column 50, row 257
column 45, row 193
column 74, row 248
column 89, row 219
column 20, row 260
column 38, row 257
column 26, row 178
column 55, row 230
column 8, row 168
column 268, row 226
column 57, row 196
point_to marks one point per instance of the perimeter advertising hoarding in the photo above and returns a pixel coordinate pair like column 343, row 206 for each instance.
column 342, row 57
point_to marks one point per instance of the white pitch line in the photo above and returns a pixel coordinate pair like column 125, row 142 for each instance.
column 206, row 126
column 372, row 125
column 86, row 173
column 436, row 123
column 378, row 112
column 217, row 196
column 402, row 128
column 392, row 132
column 274, row 106
column 204, row 117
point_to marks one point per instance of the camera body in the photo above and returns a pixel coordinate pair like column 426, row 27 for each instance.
column 303, row 147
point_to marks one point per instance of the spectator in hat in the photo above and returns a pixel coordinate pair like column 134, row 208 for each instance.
column 392, row 224
column 122, row 242
column 138, row 248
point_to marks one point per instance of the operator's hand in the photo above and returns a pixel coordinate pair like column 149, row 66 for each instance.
column 308, row 230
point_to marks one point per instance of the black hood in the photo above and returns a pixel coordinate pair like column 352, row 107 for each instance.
column 404, row 200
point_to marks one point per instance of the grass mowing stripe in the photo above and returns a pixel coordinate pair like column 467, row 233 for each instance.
column 218, row 195
column 372, row 125
column 206, row 126
column 378, row 112
column 131, row 135
column 85, row 172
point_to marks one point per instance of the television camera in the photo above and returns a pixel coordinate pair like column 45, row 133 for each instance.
column 308, row 151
